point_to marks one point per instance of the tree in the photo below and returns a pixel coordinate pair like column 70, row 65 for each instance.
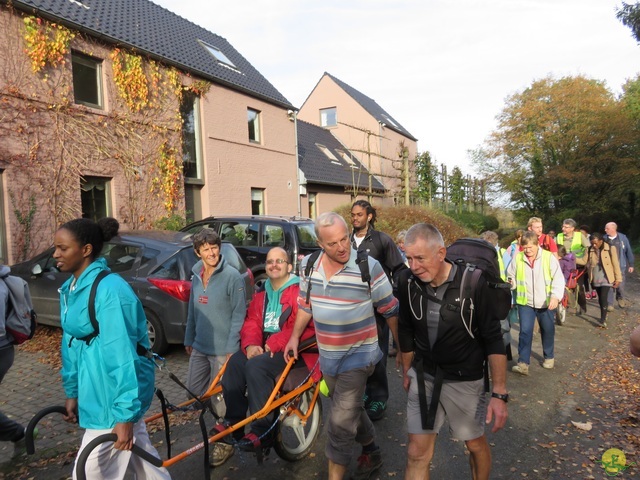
column 629, row 15
column 427, row 175
column 457, row 186
column 562, row 146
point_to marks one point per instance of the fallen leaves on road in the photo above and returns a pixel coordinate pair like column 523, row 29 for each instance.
column 47, row 342
column 582, row 425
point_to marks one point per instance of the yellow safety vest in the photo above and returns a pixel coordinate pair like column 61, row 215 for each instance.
column 521, row 287
column 576, row 243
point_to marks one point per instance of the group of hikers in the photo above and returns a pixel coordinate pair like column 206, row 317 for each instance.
column 354, row 293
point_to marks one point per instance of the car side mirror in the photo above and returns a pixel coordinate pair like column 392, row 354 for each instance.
column 36, row 270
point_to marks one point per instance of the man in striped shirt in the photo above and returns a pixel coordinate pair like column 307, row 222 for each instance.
column 342, row 307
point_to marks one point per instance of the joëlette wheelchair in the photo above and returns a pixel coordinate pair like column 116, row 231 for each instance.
column 295, row 395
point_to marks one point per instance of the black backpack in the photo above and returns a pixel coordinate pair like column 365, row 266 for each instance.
column 477, row 257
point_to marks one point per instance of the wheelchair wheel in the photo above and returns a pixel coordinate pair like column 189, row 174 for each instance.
column 295, row 440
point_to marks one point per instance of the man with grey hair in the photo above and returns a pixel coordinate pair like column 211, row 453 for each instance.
column 342, row 306
column 443, row 358
column 625, row 255
column 577, row 243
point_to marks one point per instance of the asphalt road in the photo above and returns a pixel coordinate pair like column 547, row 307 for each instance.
column 539, row 441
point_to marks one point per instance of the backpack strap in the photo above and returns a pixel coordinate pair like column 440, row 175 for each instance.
column 313, row 258
column 362, row 260
column 92, row 308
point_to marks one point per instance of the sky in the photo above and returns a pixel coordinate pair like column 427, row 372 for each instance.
column 442, row 68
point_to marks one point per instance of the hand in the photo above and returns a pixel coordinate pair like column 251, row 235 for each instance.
column 254, row 351
column 292, row 346
column 188, row 349
column 630, row 269
column 406, row 382
column 125, row 436
column 71, row 405
column 553, row 303
column 615, row 284
column 267, row 349
column 497, row 412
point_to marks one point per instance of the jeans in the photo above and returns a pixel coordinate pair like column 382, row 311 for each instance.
column 546, row 320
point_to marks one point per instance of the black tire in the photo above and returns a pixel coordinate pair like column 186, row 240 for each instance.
column 157, row 337
column 258, row 281
column 288, row 444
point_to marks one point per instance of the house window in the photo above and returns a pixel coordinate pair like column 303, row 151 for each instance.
column 328, row 117
column 217, row 54
column 328, row 154
column 257, row 201
column 87, row 80
column 347, row 158
column 192, row 202
column 191, row 140
column 95, row 197
column 253, row 117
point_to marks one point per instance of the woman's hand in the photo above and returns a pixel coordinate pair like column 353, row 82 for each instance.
column 71, row 405
column 124, row 431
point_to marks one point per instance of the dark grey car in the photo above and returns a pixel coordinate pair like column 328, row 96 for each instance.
column 156, row 263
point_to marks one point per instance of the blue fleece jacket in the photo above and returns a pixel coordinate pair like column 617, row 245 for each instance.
column 216, row 313
column 112, row 383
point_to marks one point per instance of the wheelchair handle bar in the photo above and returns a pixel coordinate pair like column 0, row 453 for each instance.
column 28, row 434
column 110, row 437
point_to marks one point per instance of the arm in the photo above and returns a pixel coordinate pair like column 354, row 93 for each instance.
column 615, row 261
column 252, row 332
column 557, row 284
column 302, row 320
column 497, row 409
column 629, row 254
column 238, row 312
column 190, row 329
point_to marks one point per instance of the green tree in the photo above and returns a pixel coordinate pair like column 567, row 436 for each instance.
column 629, row 15
column 562, row 146
column 427, row 174
column 457, row 186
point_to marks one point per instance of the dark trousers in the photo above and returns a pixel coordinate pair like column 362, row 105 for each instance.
column 378, row 384
column 603, row 300
column 583, row 284
column 9, row 429
column 258, row 377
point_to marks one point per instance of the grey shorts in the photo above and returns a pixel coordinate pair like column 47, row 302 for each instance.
column 464, row 404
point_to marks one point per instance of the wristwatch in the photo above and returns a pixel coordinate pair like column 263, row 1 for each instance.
column 502, row 396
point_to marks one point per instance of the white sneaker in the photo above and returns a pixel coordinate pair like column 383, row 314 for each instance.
column 548, row 363
column 221, row 453
column 521, row 368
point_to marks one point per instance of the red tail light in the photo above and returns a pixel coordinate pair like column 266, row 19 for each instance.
column 180, row 289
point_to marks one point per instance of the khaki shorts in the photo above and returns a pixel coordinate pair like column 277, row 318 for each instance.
column 464, row 404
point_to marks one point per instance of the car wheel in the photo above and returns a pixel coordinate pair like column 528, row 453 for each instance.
column 157, row 337
column 259, row 281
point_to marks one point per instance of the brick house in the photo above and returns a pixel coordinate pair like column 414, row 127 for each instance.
column 331, row 174
column 122, row 108
column 378, row 140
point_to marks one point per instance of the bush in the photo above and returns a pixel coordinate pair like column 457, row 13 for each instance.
column 392, row 220
column 476, row 222
column 172, row 222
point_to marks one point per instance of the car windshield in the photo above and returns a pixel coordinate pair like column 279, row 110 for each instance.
column 306, row 235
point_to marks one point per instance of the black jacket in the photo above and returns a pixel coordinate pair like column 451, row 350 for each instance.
column 459, row 355
column 381, row 246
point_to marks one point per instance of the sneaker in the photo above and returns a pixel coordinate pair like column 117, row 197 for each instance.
column 20, row 445
column 221, row 453
column 367, row 464
column 548, row 363
column 376, row 410
column 587, row 295
column 366, row 400
column 521, row 368
column 602, row 325
column 622, row 303
column 610, row 308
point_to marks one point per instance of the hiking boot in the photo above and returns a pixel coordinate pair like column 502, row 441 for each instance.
column 367, row 464
column 622, row 303
column 548, row 363
column 220, row 453
column 521, row 368
column 376, row 410
column 610, row 308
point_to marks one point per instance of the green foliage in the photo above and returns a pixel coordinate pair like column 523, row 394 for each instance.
column 171, row 222
column 392, row 220
column 457, row 185
column 476, row 222
column 629, row 15
column 427, row 175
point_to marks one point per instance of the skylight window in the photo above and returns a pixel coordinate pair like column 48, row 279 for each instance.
column 347, row 158
column 217, row 54
column 328, row 153
column 391, row 121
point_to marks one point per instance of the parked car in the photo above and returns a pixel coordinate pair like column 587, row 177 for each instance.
column 156, row 263
column 253, row 237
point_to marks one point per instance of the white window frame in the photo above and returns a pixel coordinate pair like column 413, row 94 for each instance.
column 325, row 115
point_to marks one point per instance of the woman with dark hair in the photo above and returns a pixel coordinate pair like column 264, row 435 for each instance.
column 604, row 271
column 107, row 378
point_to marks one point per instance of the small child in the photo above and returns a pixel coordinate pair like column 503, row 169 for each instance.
column 567, row 262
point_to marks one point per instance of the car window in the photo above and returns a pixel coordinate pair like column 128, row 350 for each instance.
column 306, row 235
column 272, row 235
column 119, row 257
column 232, row 232
column 48, row 263
column 178, row 267
column 148, row 254
column 200, row 226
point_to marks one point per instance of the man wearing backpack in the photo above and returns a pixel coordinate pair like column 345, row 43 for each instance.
column 444, row 357
column 10, row 431
column 379, row 245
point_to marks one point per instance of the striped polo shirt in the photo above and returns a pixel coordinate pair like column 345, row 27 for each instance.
column 343, row 313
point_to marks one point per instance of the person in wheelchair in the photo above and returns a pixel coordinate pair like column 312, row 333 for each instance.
column 260, row 360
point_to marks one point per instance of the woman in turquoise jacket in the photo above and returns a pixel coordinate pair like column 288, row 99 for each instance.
column 108, row 385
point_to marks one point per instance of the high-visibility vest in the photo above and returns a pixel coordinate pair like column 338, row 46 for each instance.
column 576, row 243
column 521, row 286
column 503, row 271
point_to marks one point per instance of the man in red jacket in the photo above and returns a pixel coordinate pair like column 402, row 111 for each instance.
column 260, row 360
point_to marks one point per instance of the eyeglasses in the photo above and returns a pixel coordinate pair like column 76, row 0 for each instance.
column 278, row 261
